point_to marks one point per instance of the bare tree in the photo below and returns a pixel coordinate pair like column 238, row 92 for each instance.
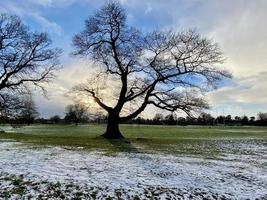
column 76, row 113
column 262, row 116
column 10, row 103
column 26, row 58
column 158, row 118
column 205, row 119
column 28, row 111
column 164, row 69
column 55, row 119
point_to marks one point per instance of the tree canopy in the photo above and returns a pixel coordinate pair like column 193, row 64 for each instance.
column 166, row 69
column 76, row 113
column 26, row 58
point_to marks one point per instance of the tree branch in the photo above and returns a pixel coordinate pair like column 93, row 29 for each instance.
column 98, row 101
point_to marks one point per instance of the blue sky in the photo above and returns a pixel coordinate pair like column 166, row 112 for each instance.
column 238, row 26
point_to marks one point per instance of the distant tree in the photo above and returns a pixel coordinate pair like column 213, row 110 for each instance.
column 148, row 66
column 262, row 116
column 244, row 120
column 252, row 120
column 237, row 119
column 55, row 119
column 76, row 113
column 220, row 119
column 205, row 119
column 140, row 120
column 181, row 121
column 26, row 59
column 28, row 111
column 262, row 119
column 190, row 120
column 158, row 118
column 228, row 119
column 170, row 119
column 99, row 118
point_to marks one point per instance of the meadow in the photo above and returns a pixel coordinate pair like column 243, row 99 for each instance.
column 48, row 161
column 143, row 138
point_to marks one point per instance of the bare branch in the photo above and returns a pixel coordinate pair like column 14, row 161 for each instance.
column 25, row 57
column 98, row 101
column 150, row 67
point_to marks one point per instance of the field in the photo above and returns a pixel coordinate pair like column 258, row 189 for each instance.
column 153, row 162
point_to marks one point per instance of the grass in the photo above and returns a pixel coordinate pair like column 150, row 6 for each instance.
column 143, row 138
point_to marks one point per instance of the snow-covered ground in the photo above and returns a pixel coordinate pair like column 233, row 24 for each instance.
column 54, row 172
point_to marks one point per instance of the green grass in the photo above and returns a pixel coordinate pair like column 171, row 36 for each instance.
column 143, row 138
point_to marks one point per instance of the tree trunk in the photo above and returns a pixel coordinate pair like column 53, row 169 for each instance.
column 113, row 131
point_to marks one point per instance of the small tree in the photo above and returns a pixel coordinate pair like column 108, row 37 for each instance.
column 262, row 116
column 26, row 59
column 252, row 120
column 170, row 119
column 76, row 113
column 55, row 119
column 158, row 118
column 181, row 121
column 244, row 120
column 163, row 69
column 205, row 119
column 262, row 119
column 28, row 112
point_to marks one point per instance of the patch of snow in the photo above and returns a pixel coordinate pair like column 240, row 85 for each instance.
column 8, row 129
column 233, row 176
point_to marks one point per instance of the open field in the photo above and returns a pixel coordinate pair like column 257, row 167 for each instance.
column 65, row 161
column 143, row 138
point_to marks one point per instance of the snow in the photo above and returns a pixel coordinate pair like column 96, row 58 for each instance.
column 132, row 174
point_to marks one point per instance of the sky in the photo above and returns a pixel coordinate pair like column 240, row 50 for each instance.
column 238, row 26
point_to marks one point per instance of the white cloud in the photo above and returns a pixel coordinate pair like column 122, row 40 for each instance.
column 148, row 8
column 26, row 10
column 67, row 78
column 41, row 2
column 46, row 24
column 248, row 96
column 52, row 3
column 242, row 34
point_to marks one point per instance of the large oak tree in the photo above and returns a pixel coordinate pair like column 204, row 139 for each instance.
column 165, row 69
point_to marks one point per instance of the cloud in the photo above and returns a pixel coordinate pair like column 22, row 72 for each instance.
column 242, row 35
column 46, row 24
column 24, row 10
column 41, row 2
column 238, row 27
column 148, row 8
column 248, row 95
column 53, row 3
column 71, row 75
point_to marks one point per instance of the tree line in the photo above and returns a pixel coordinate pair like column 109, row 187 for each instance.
column 77, row 114
column 205, row 119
